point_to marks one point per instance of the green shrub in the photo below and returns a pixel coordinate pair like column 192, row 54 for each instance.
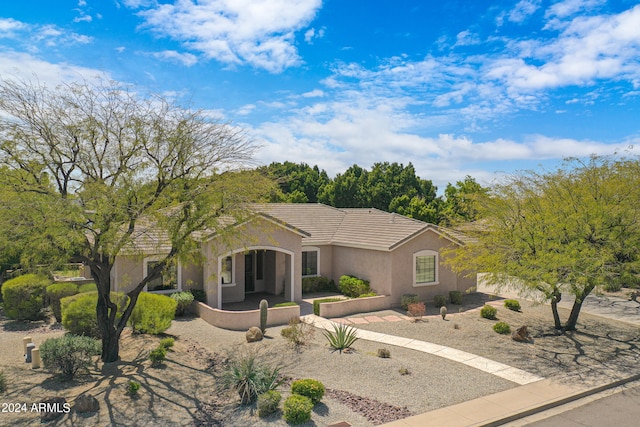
column 342, row 337
column 512, row 304
column 317, row 302
column 87, row 287
column 311, row 388
column 297, row 409
column 79, row 312
column 370, row 294
column 199, row 295
column 56, row 292
column 502, row 328
column 455, row 297
column 69, row 353
column 353, row 287
column 268, row 403
column 132, row 388
column 167, row 342
column 3, row 382
column 440, row 300
column 153, row 313
column 183, row 300
column 488, row 312
column 407, row 299
column 250, row 378
column 317, row 284
column 24, row 296
column 384, row 353
column 286, row 304
column 157, row 355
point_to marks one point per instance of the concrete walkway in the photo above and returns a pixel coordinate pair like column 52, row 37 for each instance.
column 498, row 369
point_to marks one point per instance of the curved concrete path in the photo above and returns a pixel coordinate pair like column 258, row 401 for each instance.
column 498, row 369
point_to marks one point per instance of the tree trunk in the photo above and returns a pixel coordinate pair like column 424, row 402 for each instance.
column 108, row 332
column 577, row 306
column 556, row 297
column 110, row 347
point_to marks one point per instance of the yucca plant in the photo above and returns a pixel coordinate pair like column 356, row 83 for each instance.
column 342, row 337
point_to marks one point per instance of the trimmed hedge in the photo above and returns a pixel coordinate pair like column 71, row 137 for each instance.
column 56, row 292
column 512, row 304
column 153, row 313
column 286, row 304
column 502, row 328
column 79, row 312
column 488, row 312
column 353, row 287
column 318, row 284
column 440, row 300
column 407, row 299
column 317, row 302
column 87, row 287
column 455, row 297
column 24, row 296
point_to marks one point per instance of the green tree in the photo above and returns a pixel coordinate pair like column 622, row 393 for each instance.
column 298, row 183
column 102, row 167
column 572, row 230
column 460, row 201
column 347, row 190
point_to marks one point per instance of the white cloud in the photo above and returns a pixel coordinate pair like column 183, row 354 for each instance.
column 245, row 110
column 33, row 35
column 467, row 38
column 256, row 32
column 186, row 59
column 522, row 10
column 9, row 26
column 312, row 34
column 25, row 66
column 566, row 8
column 316, row 93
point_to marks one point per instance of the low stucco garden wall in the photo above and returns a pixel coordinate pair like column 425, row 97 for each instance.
column 243, row 320
column 355, row 305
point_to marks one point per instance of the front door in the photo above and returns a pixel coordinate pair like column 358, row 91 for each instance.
column 249, row 276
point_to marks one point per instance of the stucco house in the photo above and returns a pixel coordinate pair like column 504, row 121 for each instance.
column 285, row 242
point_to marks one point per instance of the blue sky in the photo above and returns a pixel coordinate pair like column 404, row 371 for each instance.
column 456, row 87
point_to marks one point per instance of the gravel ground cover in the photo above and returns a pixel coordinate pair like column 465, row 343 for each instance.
column 361, row 388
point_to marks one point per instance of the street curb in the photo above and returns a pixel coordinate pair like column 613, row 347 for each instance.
column 558, row 402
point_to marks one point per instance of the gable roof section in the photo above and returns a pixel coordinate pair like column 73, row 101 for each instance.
column 356, row 227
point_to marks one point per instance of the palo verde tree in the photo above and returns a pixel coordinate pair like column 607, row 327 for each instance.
column 571, row 230
column 97, row 167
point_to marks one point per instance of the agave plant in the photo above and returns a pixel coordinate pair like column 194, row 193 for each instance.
column 342, row 337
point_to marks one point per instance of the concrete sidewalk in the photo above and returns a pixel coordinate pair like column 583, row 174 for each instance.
column 509, row 405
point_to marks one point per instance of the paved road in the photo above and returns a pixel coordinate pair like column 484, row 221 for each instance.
column 620, row 410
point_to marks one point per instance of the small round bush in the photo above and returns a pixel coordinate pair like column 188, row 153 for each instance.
column 56, row 292
column 353, row 287
column 268, row 403
column 502, row 328
column 512, row 304
column 157, row 355
column 297, row 409
column 440, row 300
column 79, row 312
column 488, row 312
column 69, row 354
column 153, row 313
column 183, row 299
column 132, row 388
column 384, row 353
column 311, row 388
column 167, row 342
column 455, row 297
column 24, row 295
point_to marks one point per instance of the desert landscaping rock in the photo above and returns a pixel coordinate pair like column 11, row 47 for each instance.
column 254, row 334
column 86, row 403
column 521, row 335
column 55, row 408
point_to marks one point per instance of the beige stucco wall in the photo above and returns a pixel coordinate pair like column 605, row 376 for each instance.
column 367, row 264
column 243, row 320
column 403, row 269
column 260, row 234
column 128, row 272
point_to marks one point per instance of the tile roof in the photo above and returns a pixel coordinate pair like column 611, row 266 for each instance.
column 361, row 227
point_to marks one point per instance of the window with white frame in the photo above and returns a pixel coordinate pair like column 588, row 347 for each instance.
column 226, row 270
column 310, row 258
column 425, row 268
column 168, row 281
